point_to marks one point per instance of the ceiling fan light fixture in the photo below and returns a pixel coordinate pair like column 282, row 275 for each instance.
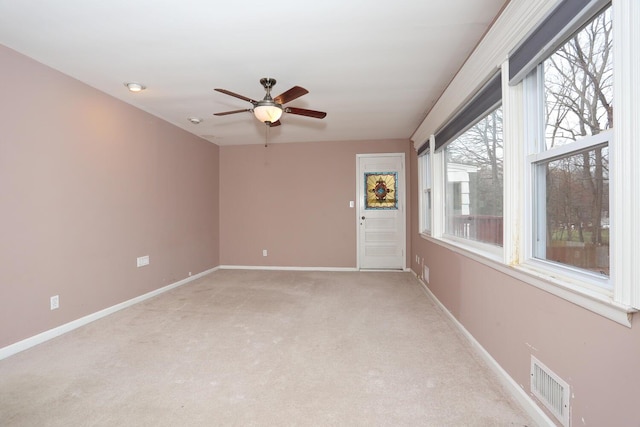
column 135, row 87
column 267, row 111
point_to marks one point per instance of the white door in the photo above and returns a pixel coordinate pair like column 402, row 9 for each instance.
column 381, row 211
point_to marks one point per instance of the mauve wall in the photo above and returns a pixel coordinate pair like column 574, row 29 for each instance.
column 293, row 200
column 87, row 184
column 512, row 320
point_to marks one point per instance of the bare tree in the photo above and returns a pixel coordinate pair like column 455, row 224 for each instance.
column 579, row 102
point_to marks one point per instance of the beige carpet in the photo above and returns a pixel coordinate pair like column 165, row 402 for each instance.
column 262, row 348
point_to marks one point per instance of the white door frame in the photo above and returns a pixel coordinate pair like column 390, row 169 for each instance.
column 402, row 201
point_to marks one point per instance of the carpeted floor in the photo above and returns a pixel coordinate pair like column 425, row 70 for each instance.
column 262, row 348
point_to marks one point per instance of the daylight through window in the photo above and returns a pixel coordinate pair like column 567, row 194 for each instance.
column 474, row 182
column 571, row 158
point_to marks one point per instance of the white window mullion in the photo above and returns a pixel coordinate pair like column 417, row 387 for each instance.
column 513, row 136
column 532, row 128
column 438, row 182
column 625, row 173
column 424, row 192
column 421, row 185
column 539, row 206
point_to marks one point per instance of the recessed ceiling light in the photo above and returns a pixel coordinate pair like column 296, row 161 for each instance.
column 135, row 87
column 195, row 120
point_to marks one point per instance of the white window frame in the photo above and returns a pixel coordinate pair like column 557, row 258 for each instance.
column 619, row 295
column 623, row 295
column 536, row 154
column 572, row 277
column 485, row 250
column 625, row 177
column 425, row 200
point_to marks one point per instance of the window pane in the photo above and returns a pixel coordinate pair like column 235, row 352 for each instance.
column 577, row 210
column 474, row 182
column 578, row 84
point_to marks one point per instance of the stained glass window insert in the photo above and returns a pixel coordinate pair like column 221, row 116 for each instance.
column 382, row 192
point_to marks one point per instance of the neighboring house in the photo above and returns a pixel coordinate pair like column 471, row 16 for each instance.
column 458, row 178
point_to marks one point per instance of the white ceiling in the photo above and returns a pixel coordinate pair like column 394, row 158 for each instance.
column 375, row 67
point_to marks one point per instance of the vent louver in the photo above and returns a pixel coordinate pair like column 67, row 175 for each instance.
column 551, row 390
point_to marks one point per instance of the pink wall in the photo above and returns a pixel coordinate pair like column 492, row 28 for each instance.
column 513, row 320
column 87, row 184
column 293, row 200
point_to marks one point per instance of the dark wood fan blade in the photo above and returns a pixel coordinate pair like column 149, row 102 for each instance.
column 231, row 112
column 228, row 92
column 288, row 96
column 305, row 112
column 276, row 123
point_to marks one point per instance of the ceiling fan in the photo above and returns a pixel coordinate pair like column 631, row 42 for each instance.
column 269, row 109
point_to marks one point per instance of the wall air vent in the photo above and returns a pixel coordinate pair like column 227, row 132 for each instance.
column 551, row 390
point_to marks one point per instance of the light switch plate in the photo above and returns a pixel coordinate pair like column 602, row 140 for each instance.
column 55, row 302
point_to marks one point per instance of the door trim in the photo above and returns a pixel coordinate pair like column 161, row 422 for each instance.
column 403, row 203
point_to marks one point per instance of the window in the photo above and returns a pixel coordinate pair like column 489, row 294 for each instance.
column 473, row 185
column 569, row 150
column 566, row 159
column 425, row 193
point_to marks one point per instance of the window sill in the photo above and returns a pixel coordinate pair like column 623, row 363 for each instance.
column 597, row 301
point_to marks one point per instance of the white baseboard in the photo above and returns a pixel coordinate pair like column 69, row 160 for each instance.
column 12, row 349
column 338, row 269
column 517, row 392
column 264, row 267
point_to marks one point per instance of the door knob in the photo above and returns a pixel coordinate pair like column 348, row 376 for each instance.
column 362, row 217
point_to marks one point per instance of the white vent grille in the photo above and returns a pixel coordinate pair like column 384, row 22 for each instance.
column 552, row 391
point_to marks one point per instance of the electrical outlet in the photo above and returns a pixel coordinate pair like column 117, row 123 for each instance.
column 55, row 302
column 141, row 261
column 425, row 275
column 264, row 252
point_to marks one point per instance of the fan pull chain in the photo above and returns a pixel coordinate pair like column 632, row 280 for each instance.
column 266, row 135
